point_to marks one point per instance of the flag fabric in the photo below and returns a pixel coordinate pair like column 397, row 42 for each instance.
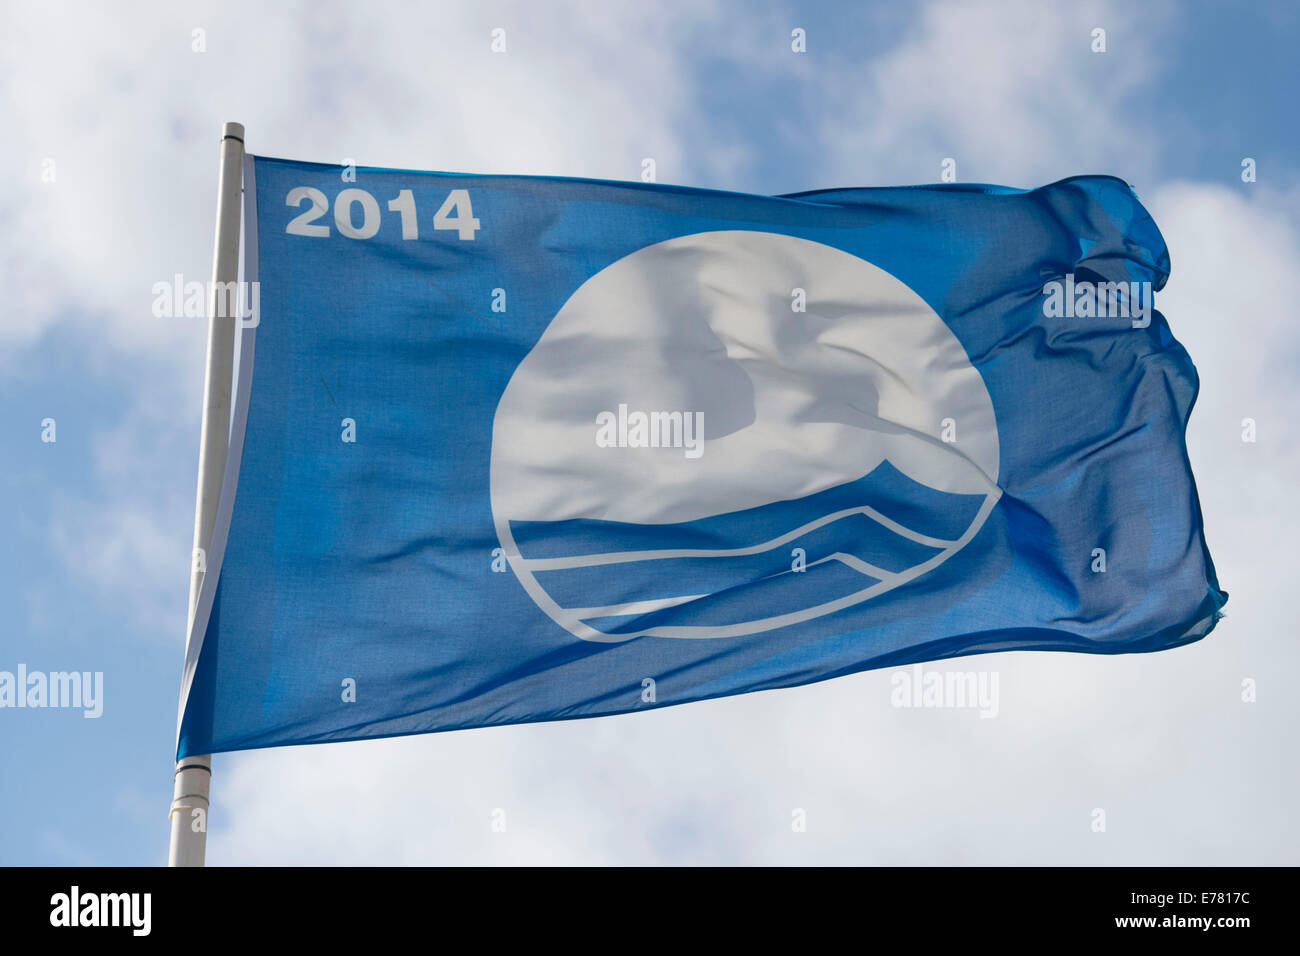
column 510, row 448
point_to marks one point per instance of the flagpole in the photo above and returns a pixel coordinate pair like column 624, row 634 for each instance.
column 193, row 777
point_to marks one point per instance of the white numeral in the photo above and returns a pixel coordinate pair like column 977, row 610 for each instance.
column 369, row 213
column 463, row 222
column 301, row 225
column 456, row 213
column 405, row 204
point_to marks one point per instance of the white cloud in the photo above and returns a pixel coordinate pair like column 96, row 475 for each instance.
column 1011, row 91
column 1149, row 739
column 1230, row 301
column 125, row 552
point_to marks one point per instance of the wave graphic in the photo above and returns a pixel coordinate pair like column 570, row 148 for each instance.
column 734, row 572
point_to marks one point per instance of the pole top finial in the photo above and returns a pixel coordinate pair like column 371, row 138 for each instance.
column 234, row 130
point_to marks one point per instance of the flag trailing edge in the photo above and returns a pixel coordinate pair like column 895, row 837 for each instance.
column 521, row 448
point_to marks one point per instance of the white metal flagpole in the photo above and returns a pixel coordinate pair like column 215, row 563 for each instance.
column 194, row 774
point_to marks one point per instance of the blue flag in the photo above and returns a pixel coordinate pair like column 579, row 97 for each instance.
column 512, row 449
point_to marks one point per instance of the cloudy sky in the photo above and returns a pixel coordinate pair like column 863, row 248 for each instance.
column 111, row 121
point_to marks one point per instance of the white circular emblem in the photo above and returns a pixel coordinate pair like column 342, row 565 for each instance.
column 731, row 432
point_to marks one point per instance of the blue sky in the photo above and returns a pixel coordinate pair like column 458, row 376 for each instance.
column 96, row 527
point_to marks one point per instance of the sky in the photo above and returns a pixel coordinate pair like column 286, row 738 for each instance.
column 112, row 119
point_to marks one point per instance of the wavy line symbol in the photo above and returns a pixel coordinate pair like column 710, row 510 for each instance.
column 821, row 433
